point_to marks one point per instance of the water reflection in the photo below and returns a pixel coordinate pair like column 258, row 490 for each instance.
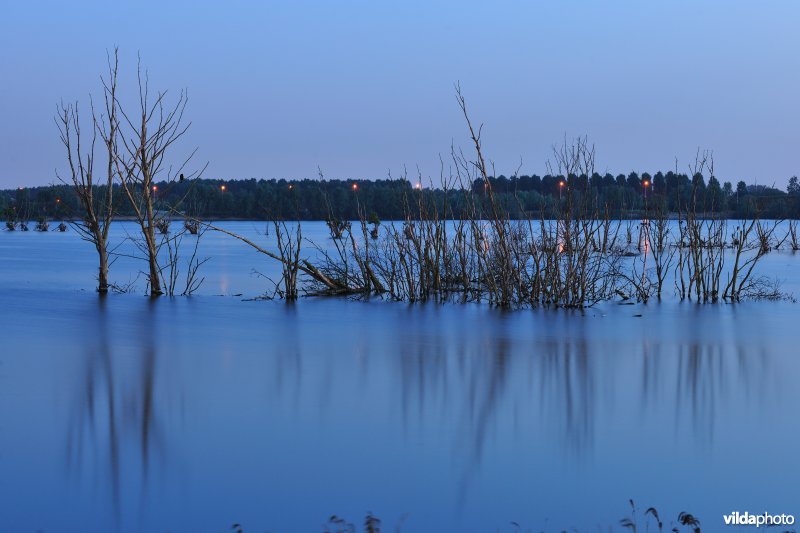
column 455, row 396
column 115, row 410
column 478, row 386
column 564, row 386
column 190, row 414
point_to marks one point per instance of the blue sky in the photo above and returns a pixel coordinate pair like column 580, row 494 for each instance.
column 363, row 88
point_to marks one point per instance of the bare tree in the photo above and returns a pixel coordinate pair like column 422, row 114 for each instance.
column 96, row 200
column 142, row 158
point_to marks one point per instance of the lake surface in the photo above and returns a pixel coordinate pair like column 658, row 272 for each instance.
column 192, row 414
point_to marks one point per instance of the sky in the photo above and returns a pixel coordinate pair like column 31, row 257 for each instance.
column 361, row 89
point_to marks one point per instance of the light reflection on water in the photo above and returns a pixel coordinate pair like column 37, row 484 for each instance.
column 191, row 414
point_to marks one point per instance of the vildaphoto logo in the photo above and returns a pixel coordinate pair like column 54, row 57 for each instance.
column 765, row 519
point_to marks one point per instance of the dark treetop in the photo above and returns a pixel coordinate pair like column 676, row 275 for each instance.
column 390, row 199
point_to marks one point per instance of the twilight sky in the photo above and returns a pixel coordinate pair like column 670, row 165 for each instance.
column 361, row 88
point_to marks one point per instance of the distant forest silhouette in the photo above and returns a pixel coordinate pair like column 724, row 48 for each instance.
column 390, row 199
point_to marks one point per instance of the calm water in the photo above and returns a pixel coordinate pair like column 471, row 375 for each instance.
column 190, row 414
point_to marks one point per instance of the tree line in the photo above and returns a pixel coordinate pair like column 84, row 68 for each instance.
column 390, row 199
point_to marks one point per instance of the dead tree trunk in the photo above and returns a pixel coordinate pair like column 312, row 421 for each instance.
column 102, row 275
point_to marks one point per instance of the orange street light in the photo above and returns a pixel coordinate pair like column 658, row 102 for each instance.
column 355, row 186
column 291, row 187
column 155, row 188
column 222, row 188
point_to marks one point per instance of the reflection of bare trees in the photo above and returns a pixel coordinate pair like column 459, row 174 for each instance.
column 475, row 384
column 562, row 391
column 288, row 359
column 699, row 374
column 567, row 383
column 701, row 380
column 96, row 394
column 559, row 390
column 114, row 412
column 146, row 416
